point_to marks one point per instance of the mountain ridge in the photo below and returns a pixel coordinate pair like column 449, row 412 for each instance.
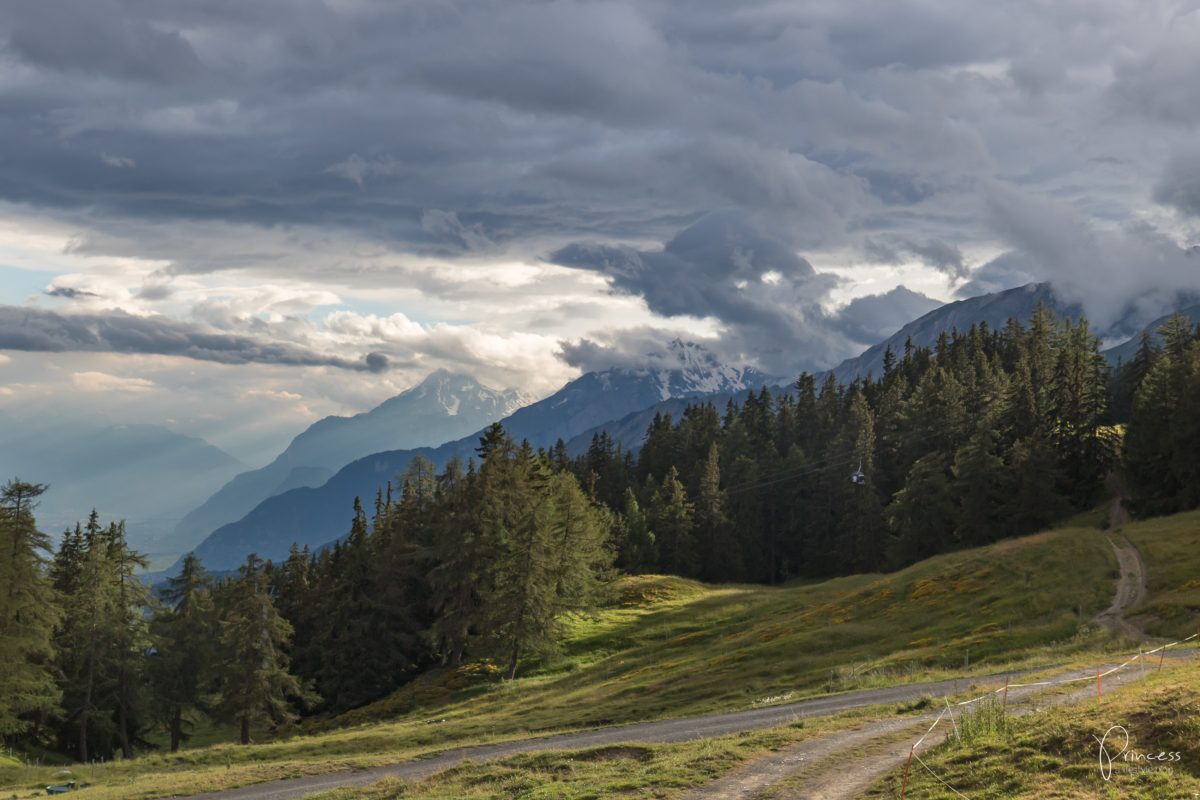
column 315, row 515
column 444, row 405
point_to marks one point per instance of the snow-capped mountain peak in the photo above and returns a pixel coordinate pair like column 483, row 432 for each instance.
column 686, row 369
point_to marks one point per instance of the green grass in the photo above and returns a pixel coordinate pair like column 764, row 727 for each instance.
column 637, row 771
column 1169, row 547
column 1052, row 754
column 668, row 647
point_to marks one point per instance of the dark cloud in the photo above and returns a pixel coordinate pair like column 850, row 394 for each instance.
column 512, row 129
column 39, row 330
column 1005, row 271
column 944, row 257
column 724, row 266
column 1179, row 184
column 874, row 317
column 768, row 298
column 98, row 37
column 69, row 292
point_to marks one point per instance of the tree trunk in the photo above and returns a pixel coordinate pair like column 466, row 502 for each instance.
column 83, row 712
column 123, row 717
column 176, row 728
column 512, row 664
column 245, row 729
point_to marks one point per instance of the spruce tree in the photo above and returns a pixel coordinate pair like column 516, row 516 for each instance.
column 671, row 520
column 184, row 630
column 256, row 683
column 29, row 609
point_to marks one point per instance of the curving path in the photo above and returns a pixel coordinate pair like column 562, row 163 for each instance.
column 1131, row 589
column 813, row 760
column 658, row 732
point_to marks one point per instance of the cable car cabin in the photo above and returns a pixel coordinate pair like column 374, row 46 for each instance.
column 859, row 477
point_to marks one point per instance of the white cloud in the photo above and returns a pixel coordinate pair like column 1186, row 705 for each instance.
column 118, row 162
column 104, row 382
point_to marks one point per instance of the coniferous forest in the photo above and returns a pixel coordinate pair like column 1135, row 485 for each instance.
column 989, row 434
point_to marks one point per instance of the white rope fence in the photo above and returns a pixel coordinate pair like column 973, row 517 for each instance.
column 912, row 753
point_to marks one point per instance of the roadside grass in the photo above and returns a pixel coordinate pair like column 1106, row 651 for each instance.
column 1054, row 754
column 1169, row 548
column 667, row 647
column 621, row 770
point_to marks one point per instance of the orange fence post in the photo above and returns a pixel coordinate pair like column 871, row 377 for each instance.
column 907, row 766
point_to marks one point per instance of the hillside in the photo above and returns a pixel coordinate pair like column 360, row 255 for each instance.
column 1124, row 352
column 666, row 647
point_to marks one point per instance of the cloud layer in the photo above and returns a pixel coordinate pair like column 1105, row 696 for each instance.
column 300, row 183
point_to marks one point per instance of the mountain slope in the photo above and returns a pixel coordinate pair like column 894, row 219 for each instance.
column 315, row 516
column 995, row 309
column 145, row 474
column 1128, row 349
column 443, row 406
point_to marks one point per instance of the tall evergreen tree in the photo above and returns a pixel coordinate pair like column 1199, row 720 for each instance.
column 671, row 520
column 184, row 630
column 256, row 683
column 29, row 609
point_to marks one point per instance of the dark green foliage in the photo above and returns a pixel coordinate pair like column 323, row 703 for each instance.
column 28, row 613
column 184, row 630
column 102, row 641
column 256, row 684
column 1164, row 426
column 989, row 434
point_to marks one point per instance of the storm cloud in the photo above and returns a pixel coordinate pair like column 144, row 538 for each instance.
column 437, row 182
column 39, row 330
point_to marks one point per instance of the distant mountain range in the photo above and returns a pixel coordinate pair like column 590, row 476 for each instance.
column 995, row 309
column 299, row 498
column 315, row 515
column 146, row 474
column 1128, row 349
column 442, row 407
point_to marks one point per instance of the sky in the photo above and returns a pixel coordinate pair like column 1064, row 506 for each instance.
column 234, row 218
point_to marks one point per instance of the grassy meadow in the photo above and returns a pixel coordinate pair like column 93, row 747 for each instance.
column 667, row 647
column 1052, row 754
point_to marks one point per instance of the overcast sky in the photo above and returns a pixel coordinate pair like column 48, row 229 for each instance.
column 235, row 217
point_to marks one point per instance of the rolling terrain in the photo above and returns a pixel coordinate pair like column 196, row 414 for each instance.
column 666, row 649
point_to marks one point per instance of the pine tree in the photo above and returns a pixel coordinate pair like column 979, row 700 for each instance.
column 184, row 630
column 256, row 684
column 720, row 556
column 923, row 513
column 581, row 559
column 90, row 626
column 637, row 546
column 29, row 609
column 131, row 637
column 671, row 520
column 981, row 486
column 522, row 605
column 465, row 551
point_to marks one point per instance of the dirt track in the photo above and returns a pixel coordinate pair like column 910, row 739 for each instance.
column 665, row 731
column 843, row 765
column 825, row 782
column 1131, row 589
